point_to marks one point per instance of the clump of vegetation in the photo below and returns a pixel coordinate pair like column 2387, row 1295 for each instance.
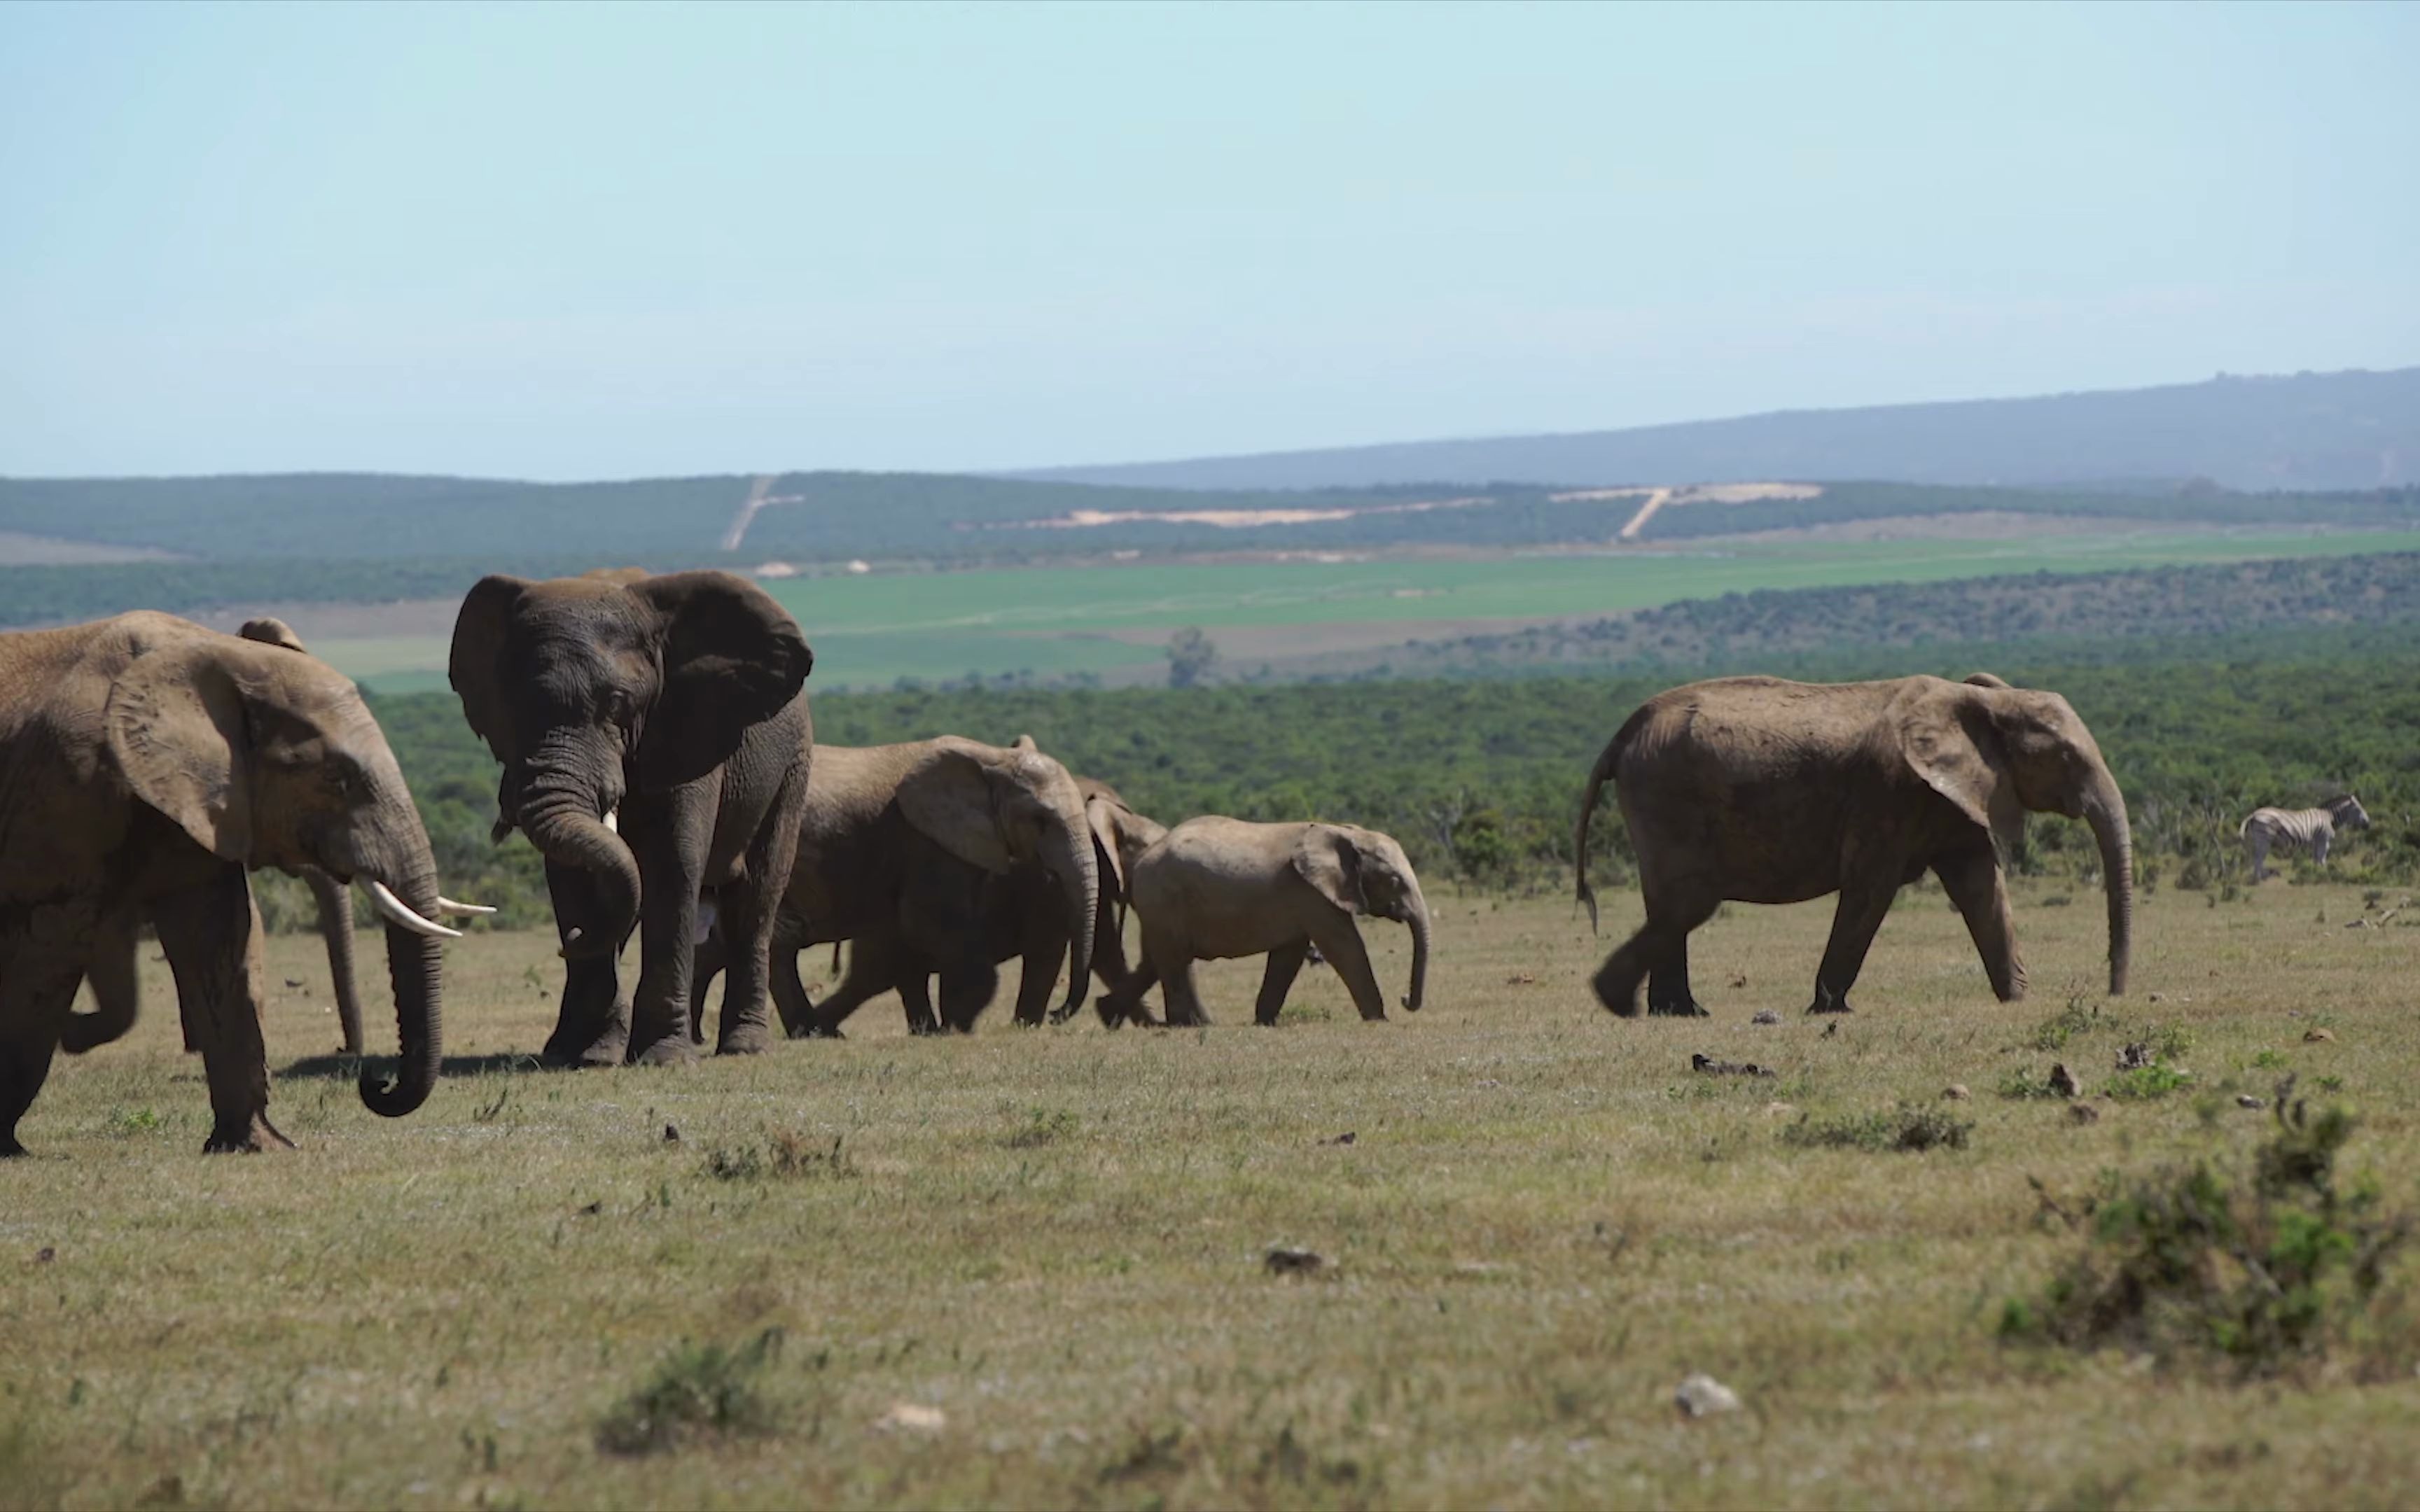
column 2146, row 1082
column 2078, row 1017
column 1908, row 1128
column 2267, row 1269
column 786, row 1152
column 699, row 1392
column 2020, row 1085
column 1043, row 1126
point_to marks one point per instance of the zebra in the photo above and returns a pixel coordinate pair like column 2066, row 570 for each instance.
column 2314, row 827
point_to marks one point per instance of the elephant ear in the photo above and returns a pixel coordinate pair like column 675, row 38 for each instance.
column 732, row 659
column 1328, row 860
column 949, row 799
column 1103, row 818
column 1947, row 737
column 271, row 631
column 177, row 728
column 475, row 664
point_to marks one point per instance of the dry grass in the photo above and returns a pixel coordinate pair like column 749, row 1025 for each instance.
column 1056, row 1240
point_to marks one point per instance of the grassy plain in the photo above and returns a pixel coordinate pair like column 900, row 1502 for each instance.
column 869, row 631
column 1054, row 1241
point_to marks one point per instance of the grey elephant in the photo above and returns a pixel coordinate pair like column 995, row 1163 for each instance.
column 149, row 763
column 881, row 825
column 969, row 919
column 1758, row 790
column 1215, row 889
column 677, row 701
column 116, row 989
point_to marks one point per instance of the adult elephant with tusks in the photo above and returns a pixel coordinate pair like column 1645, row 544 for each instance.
column 146, row 764
column 673, row 705
column 1758, row 790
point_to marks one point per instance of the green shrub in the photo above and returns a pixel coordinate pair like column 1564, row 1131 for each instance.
column 699, row 1392
column 2266, row 1269
column 2142, row 1084
column 1908, row 1128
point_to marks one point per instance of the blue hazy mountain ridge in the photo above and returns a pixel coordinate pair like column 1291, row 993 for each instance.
column 2354, row 429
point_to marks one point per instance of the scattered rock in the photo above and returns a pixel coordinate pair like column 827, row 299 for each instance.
column 1780, row 1110
column 1702, row 1395
column 2136, row 1056
column 2317, row 1036
column 1738, row 981
column 1765, row 1015
column 1522, row 978
column 1345, row 1138
column 591, row 1209
column 1286, row 1260
column 1710, row 1066
column 2063, row 1082
column 2153, row 999
column 2250, row 1104
column 912, row 1417
column 672, row 1135
column 1956, row 1092
column 45, row 1255
column 2083, row 1113
column 291, row 983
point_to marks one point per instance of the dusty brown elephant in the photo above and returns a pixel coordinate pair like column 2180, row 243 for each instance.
column 1758, row 790
column 679, row 701
column 148, row 763
column 116, row 989
column 984, row 917
column 1213, row 889
column 880, row 819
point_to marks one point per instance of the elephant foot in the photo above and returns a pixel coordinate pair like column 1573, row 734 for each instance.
column 1828, row 1001
column 1687, row 1008
column 816, row 1030
column 746, row 1039
column 254, row 1137
column 672, row 1050
column 10, row 1148
column 83, row 1032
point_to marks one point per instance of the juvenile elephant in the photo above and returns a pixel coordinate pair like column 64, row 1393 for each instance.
column 1215, row 889
column 678, row 701
column 148, row 762
column 984, row 917
column 1758, row 790
column 116, row 993
column 889, row 831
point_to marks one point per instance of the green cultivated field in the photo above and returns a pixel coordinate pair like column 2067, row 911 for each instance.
column 872, row 630
column 1047, row 1246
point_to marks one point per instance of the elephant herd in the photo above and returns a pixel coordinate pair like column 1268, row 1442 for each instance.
column 656, row 751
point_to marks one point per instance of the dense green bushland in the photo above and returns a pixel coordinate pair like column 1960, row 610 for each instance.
column 1481, row 778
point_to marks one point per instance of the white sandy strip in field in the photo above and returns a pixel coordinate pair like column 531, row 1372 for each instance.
column 1232, row 519
column 21, row 550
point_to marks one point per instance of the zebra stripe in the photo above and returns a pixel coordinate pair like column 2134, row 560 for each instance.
column 2312, row 828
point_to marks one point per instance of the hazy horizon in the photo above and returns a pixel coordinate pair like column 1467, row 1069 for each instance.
column 553, row 244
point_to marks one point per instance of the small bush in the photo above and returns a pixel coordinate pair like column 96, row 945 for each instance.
column 2143, row 1084
column 2196, row 1261
column 1910, row 1128
column 1045, row 1126
column 2055, row 1031
column 2023, row 1088
column 785, row 1153
column 699, row 1392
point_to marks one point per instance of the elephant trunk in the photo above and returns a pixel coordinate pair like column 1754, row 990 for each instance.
column 2104, row 810
column 337, row 930
column 562, row 822
column 1067, row 852
column 413, row 967
column 1416, row 916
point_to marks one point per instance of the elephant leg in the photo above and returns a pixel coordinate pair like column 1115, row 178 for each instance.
column 1277, row 979
column 751, row 910
column 915, row 998
column 790, row 999
column 967, row 990
column 592, row 1022
column 1973, row 880
column 669, row 834
column 1341, row 943
column 38, row 992
column 1660, row 947
column 1668, row 986
column 874, row 968
column 115, row 994
column 1863, row 904
column 1037, row 977
column 1184, row 1010
column 211, row 935
column 1122, row 1003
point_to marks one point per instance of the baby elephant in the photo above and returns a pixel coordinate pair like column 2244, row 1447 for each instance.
column 1215, row 888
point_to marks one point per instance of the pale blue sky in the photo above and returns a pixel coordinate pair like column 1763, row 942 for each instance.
column 569, row 243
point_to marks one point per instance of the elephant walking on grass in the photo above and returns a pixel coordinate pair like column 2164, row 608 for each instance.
column 146, row 764
column 897, row 847
column 1758, row 790
column 676, row 701
column 1215, row 889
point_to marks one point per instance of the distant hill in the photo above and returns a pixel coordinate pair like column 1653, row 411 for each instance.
column 2313, row 430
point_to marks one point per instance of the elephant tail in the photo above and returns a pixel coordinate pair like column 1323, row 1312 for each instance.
column 1599, row 775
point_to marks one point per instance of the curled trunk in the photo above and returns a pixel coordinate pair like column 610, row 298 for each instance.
column 562, row 823
column 413, row 965
column 1067, row 852
column 337, row 931
column 2104, row 810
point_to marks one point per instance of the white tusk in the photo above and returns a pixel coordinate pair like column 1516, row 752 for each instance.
column 399, row 913
column 613, row 820
column 447, row 905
